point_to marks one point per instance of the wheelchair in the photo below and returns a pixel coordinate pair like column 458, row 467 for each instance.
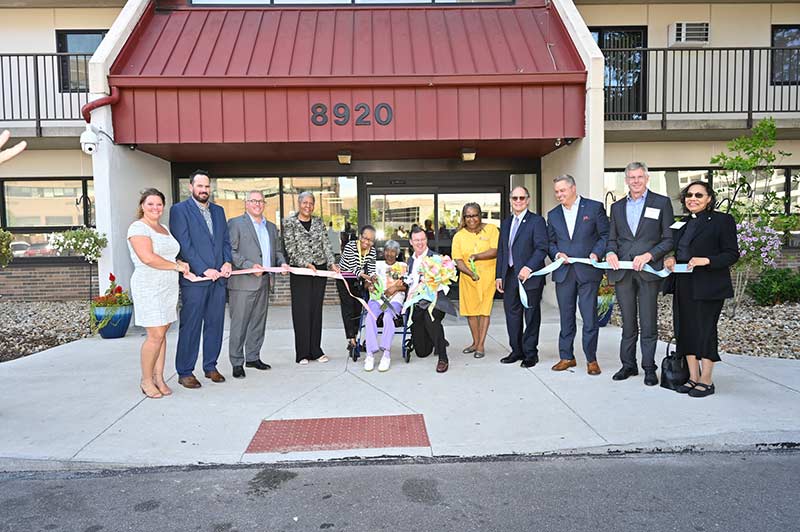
column 401, row 327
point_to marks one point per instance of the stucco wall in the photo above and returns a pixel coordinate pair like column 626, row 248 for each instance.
column 695, row 154
column 48, row 163
column 34, row 30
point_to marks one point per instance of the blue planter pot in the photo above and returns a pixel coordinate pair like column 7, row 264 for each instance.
column 603, row 320
column 119, row 323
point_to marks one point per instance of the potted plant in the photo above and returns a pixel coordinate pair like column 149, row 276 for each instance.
column 605, row 302
column 111, row 313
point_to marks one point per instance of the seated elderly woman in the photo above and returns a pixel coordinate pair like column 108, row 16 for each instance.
column 389, row 275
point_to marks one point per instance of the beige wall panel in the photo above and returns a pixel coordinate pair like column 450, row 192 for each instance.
column 85, row 19
column 681, row 154
column 614, row 15
column 27, row 30
column 740, row 24
column 660, row 16
column 786, row 13
column 48, row 163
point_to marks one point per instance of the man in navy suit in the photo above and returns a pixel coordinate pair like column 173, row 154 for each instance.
column 520, row 252
column 201, row 229
column 640, row 232
column 578, row 227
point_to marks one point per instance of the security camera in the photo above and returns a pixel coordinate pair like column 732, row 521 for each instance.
column 89, row 141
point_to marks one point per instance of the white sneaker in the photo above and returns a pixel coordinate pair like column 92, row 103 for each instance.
column 386, row 361
column 369, row 363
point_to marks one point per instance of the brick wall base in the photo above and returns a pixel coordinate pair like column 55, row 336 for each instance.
column 29, row 281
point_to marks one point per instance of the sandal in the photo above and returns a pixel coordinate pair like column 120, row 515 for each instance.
column 163, row 388
column 701, row 389
column 479, row 354
column 157, row 395
column 685, row 388
column 468, row 350
column 323, row 358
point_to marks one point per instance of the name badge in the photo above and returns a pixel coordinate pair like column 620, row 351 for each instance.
column 677, row 225
column 652, row 213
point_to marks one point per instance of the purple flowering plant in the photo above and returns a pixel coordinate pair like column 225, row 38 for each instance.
column 759, row 245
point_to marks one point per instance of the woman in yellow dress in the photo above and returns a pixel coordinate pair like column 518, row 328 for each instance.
column 475, row 252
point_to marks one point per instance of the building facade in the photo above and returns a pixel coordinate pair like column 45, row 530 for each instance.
column 272, row 97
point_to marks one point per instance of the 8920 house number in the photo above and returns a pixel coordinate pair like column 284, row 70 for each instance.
column 341, row 114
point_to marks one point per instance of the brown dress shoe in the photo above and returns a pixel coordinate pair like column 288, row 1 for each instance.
column 564, row 364
column 215, row 376
column 593, row 368
column 189, row 381
column 442, row 366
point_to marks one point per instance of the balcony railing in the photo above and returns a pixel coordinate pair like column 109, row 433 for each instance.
column 37, row 88
column 676, row 83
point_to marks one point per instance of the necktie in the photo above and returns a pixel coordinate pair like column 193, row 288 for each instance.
column 514, row 228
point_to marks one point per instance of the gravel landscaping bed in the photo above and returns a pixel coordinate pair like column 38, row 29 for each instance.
column 27, row 328
column 756, row 331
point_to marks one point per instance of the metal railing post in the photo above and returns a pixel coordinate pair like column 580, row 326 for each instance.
column 750, row 90
column 36, row 105
column 664, row 93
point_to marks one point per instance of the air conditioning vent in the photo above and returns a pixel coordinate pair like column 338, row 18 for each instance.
column 688, row 34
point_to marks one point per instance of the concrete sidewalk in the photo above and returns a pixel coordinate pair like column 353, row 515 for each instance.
column 79, row 404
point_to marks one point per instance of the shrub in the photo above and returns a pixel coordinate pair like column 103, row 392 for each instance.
column 775, row 286
column 5, row 248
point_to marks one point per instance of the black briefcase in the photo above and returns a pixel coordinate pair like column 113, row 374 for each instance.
column 674, row 370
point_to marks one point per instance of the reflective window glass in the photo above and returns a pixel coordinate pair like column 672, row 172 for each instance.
column 44, row 203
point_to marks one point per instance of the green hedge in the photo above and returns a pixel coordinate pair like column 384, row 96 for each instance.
column 775, row 286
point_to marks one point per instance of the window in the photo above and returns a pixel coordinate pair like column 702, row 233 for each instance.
column 625, row 71
column 231, row 192
column 786, row 55
column 666, row 182
column 33, row 209
column 74, row 69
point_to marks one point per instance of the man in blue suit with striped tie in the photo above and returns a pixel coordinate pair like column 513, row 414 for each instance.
column 578, row 227
column 520, row 252
column 200, row 227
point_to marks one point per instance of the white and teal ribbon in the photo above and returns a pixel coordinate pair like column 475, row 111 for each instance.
column 623, row 265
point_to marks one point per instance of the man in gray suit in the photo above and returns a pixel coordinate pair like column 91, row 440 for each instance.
column 254, row 244
column 640, row 232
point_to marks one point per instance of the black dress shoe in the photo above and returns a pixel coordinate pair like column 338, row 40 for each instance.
column 624, row 373
column 257, row 364
column 650, row 378
column 529, row 362
column 238, row 372
column 510, row 359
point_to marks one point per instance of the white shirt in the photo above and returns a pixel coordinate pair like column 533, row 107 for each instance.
column 381, row 269
column 413, row 275
column 571, row 215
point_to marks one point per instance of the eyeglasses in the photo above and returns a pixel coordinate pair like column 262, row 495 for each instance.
column 519, row 198
column 472, row 216
column 698, row 195
column 256, row 201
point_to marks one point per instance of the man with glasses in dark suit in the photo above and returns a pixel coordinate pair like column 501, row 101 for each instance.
column 521, row 251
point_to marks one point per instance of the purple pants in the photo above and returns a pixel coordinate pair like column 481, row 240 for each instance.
column 388, row 327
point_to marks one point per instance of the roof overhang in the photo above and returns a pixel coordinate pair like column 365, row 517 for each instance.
column 251, row 83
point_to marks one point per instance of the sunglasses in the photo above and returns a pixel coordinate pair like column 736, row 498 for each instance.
column 519, row 198
column 698, row 195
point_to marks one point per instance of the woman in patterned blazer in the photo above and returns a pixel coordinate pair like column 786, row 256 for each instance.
column 307, row 246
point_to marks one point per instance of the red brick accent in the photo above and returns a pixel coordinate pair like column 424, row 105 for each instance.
column 28, row 281
column 327, row 434
column 282, row 296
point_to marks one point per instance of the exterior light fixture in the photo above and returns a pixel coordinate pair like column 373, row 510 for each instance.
column 558, row 142
column 468, row 154
column 344, row 157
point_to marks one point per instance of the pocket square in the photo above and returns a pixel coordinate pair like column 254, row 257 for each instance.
column 585, row 218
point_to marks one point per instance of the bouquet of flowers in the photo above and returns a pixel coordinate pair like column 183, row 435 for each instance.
column 395, row 274
column 437, row 273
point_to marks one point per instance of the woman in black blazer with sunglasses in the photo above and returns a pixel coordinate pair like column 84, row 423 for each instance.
column 705, row 239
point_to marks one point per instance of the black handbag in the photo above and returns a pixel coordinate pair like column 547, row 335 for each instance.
column 674, row 369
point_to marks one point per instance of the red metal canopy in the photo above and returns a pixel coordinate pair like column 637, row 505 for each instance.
column 333, row 77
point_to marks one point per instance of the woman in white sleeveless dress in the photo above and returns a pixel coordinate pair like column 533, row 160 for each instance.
column 154, row 287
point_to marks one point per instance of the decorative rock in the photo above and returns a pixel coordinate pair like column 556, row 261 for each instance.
column 28, row 328
column 755, row 331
